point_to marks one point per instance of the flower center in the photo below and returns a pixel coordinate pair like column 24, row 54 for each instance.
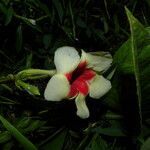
column 79, row 80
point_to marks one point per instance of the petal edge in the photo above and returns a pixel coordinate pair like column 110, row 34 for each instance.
column 82, row 109
column 99, row 87
column 57, row 88
column 98, row 61
column 66, row 59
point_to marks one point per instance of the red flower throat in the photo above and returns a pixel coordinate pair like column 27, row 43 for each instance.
column 79, row 79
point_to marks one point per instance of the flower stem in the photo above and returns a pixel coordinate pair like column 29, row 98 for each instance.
column 26, row 74
column 31, row 74
column 8, row 78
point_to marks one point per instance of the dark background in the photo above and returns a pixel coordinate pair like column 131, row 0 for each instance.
column 91, row 25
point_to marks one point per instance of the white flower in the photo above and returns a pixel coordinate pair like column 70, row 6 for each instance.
column 76, row 77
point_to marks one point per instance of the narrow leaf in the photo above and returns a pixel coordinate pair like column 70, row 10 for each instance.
column 19, row 38
column 9, row 16
column 97, row 143
column 47, row 40
column 27, row 145
column 59, row 9
column 3, row 9
column 133, row 29
column 4, row 137
column 29, row 60
column 56, row 143
column 112, row 131
column 31, row 89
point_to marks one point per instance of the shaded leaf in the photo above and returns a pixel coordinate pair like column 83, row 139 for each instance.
column 56, row 143
column 27, row 145
column 112, row 131
column 29, row 60
column 23, row 123
column 59, row 9
column 8, row 146
column 9, row 16
column 3, row 9
column 85, row 141
column 133, row 58
column 42, row 6
column 113, row 96
column 19, row 38
column 97, row 143
column 146, row 145
column 5, row 137
column 34, row 125
column 47, row 40
column 81, row 23
column 135, row 26
column 123, row 58
column 29, row 22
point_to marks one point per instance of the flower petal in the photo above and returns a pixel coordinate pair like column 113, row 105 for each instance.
column 99, row 87
column 82, row 109
column 66, row 59
column 99, row 61
column 57, row 88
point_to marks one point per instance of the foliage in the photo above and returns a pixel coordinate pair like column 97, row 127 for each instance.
column 31, row 31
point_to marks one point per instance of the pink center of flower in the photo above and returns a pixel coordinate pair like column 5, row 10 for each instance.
column 79, row 79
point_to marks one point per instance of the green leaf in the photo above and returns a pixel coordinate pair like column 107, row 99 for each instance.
column 23, row 123
column 19, row 38
column 97, row 143
column 9, row 16
column 29, row 22
column 42, row 6
column 123, row 58
column 59, row 9
column 56, row 143
column 29, row 60
column 28, row 87
column 5, row 137
column 5, row 100
column 72, row 19
column 113, row 97
column 34, row 125
column 135, row 26
column 146, row 145
column 148, row 2
column 27, row 125
column 3, row 9
column 27, row 145
column 6, row 2
column 133, row 58
column 106, row 27
column 8, row 145
column 85, row 141
column 116, row 23
column 47, row 40
column 80, row 22
column 114, row 130
column 110, row 131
